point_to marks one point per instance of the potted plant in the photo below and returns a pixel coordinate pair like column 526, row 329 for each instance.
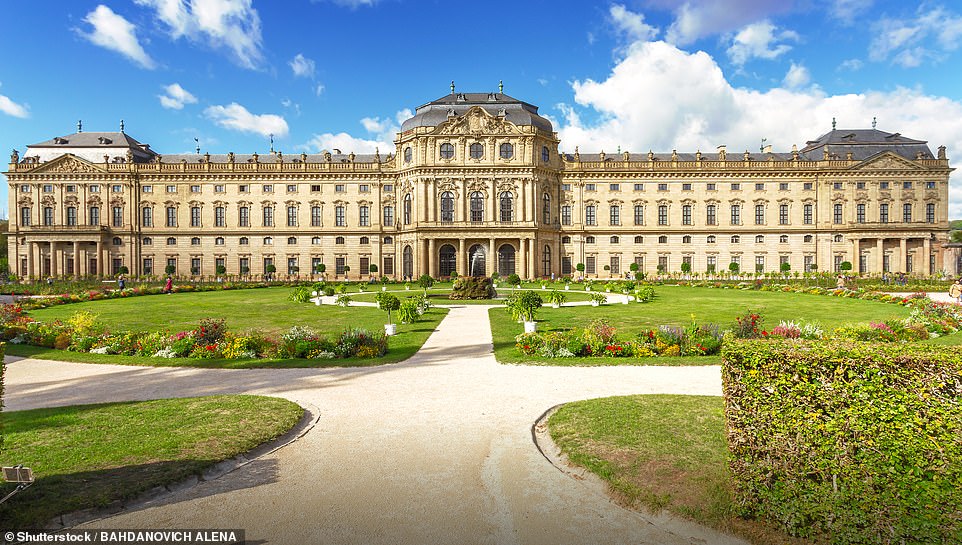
column 514, row 280
column 526, row 305
column 494, row 278
column 388, row 303
column 567, row 281
column 347, row 269
column 598, row 299
column 245, row 270
column 607, row 269
column 407, row 286
column 320, row 268
column 425, row 282
column 269, row 270
column 556, row 298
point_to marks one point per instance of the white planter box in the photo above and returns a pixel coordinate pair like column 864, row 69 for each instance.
column 595, row 303
column 390, row 329
column 555, row 305
column 530, row 327
column 383, row 288
column 567, row 288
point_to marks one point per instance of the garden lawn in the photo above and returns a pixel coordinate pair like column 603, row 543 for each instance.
column 675, row 305
column 88, row 456
column 440, row 296
column 659, row 452
column 264, row 309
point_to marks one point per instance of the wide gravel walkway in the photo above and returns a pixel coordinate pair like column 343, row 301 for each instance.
column 434, row 450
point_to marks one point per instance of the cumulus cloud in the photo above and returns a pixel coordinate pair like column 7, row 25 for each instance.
column 659, row 97
column 319, row 89
column 845, row 11
column 175, row 97
column 237, row 118
column 796, row 77
column 759, row 40
column 302, row 66
column 11, row 108
column 851, row 64
column 112, row 31
column 231, row 24
column 697, row 19
column 630, row 24
column 908, row 42
column 353, row 4
column 381, row 136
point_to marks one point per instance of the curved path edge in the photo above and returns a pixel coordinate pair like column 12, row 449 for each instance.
column 674, row 525
column 307, row 422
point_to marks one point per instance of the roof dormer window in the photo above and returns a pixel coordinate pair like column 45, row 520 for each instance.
column 104, row 141
column 59, row 140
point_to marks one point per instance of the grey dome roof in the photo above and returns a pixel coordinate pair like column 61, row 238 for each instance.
column 434, row 113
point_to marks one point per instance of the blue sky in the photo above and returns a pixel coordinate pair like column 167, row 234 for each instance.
column 324, row 74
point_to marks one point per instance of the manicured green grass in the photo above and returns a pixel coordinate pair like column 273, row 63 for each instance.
column 659, row 452
column 265, row 309
column 675, row 305
column 954, row 339
column 88, row 456
column 439, row 296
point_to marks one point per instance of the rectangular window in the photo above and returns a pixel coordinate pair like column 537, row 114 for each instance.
column 95, row 189
column 590, row 265
column 930, row 213
column 268, row 216
column 388, row 265
column 807, row 214
column 759, row 263
column 566, row 215
column 662, row 187
column 736, row 187
column 195, row 265
column 907, row 212
column 809, row 263
column 662, row 214
column 25, row 188
column 566, row 265
column 244, row 216
column 736, row 212
column 364, row 265
column 316, row 188
column 195, row 216
column 148, row 265
column 365, row 216
column 711, row 215
column 837, row 186
column 662, row 263
column 25, row 216
column 614, row 265
column 243, row 188
column 117, row 188
column 292, row 216
column 589, row 187
column 614, row 214
column 566, row 187
column 837, row 263
column 267, row 188
column 339, row 266
column 859, row 185
column 292, row 267
column 118, row 216
column 170, row 189
column 686, row 187
column 686, row 214
column 388, row 188
column 244, row 265
column 94, row 215
column 364, row 188
column 339, row 188
column 783, row 214
column 906, row 185
column 883, row 213
column 639, row 214
column 929, row 185
column 339, row 218
column 886, row 263
column 711, row 263
column 614, row 187
column 760, row 187
column 710, row 186
column 71, row 215
column 147, row 217
column 883, row 185
column 147, row 188
column 195, row 189
column 292, row 188
column 837, row 213
column 220, row 217
column 388, row 217
column 860, row 213
column 48, row 215
column 759, row 214
column 218, row 189
column 639, row 187
column 862, row 263
column 590, row 215
column 783, row 186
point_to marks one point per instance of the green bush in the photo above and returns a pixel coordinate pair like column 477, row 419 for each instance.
column 301, row 294
column 3, row 347
column 847, row 442
column 514, row 279
column 472, row 287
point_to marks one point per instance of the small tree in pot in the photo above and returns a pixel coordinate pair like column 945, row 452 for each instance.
column 526, row 305
column 388, row 303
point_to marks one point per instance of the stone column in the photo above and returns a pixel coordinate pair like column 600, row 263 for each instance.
column 100, row 257
column 424, row 205
column 855, row 254
column 491, row 263
column 880, row 258
column 926, row 253
column 462, row 259
column 523, row 201
column 494, row 201
column 434, row 202
column 521, row 264
column 532, row 262
column 900, row 267
column 432, row 258
column 37, row 252
column 30, row 272
column 56, row 257
column 76, row 260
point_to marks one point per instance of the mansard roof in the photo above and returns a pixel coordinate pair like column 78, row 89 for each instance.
column 516, row 111
column 272, row 158
column 92, row 140
column 865, row 143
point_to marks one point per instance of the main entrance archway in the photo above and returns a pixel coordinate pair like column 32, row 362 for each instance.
column 446, row 260
column 476, row 260
column 506, row 260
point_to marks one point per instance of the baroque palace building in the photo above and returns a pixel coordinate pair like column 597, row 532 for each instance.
column 477, row 185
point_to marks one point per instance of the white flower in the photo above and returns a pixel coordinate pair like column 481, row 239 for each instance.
column 165, row 353
column 101, row 350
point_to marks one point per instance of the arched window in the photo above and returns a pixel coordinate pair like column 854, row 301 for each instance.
column 292, row 240
column 365, row 240
column 446, row 260
column 566, row 240
column 614, row 240
column 244, row 241
column 447, row 207
column 736, row 239
column 639, row 240
column 477, row 260
column 711, row 239
column 507, row 150
column 507, row 204
column 546, row 209
column 686, row 239
column 589, row 240
column 195, row 241
column 759, row 239
column 148, row 241
column 783, row 239
column 407, row 154
column 219, row 241
column 407, row 262
column 663, row 239
column 407, row 209
column 268, row 241
column 339, row 240
column 388, row 240
column 546, row 261
column 171, row 241
column 808, row 238
column 447, row 151
column 838, row 238
column 506, row 260
column 315, row 240
column 544, row 154
column 476, row 150
column 477, row 206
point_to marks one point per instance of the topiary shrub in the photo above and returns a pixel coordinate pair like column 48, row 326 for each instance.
column 847, row 442
column 472, row 287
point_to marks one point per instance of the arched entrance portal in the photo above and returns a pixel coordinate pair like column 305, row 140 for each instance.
column 446, row 260
column 476, row 260
column 506, row 260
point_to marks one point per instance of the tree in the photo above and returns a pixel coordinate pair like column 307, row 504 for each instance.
column 245, row 270
column 425, row 282
column 845, row 266
column 685, row 267
column 956, row 236
column 170, row 269
column 221, row 270
column 785, row 267
column 372, row 268
column 123, row 270
column 733, row 267
column 526, row 304
column 633, row 267
column 388, row 303
column 580, row 267
column 270, row 269
column 347, row 269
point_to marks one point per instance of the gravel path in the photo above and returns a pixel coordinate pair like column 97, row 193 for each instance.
column 437, row 449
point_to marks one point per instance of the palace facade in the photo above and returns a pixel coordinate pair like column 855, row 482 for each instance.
column 477, row 185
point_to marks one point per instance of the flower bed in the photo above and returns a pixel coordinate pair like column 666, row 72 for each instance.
column 209, row 340
column 100, row 294
column 600, row 339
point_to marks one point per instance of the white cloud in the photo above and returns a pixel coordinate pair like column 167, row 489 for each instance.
column 697, row 19
column 659, row 97
column 319, row 89
column 236, row 117
column 175, row 97
column 10, row 107
column 232, row 24
column 112, row 31
column 909, row 42
column 851, row 64
column 382, row 133
column 845, row 11
column 632, row 25
column 302, row 66
column 354, row 4
column 758, row 40
column 797, row 76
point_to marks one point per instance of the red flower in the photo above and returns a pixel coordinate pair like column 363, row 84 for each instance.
column 764, row 333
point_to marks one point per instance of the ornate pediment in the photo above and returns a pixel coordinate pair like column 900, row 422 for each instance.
column 887, row 161
column 66, row 164
column 476, row 122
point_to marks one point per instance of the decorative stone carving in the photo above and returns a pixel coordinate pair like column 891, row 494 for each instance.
column 67, row 164
column 475, row 121
column 15, row 156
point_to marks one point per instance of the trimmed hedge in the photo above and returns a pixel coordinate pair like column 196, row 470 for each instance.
column 847, row 442
column 472, row 287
